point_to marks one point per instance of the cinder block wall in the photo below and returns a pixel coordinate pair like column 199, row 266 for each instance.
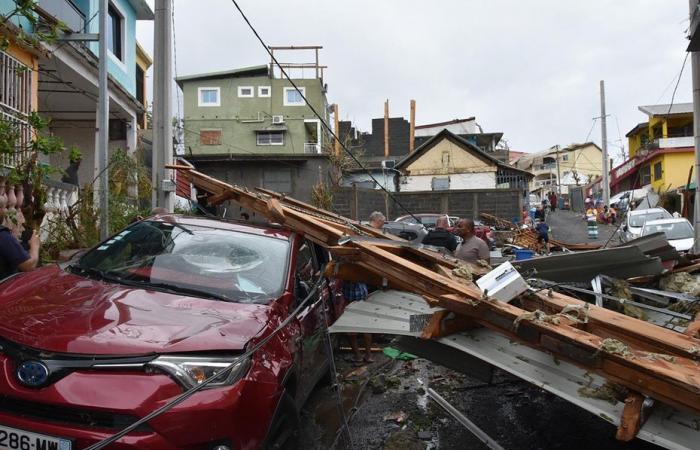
column 360, row 203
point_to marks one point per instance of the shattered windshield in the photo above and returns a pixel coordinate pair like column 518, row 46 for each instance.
column 637, row 220
column 193, row 260
column 675, row 230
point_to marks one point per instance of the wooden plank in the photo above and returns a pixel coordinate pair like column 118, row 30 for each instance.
column 631, row 420
column 444, row 323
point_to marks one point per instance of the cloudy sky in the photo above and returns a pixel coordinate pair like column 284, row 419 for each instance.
column 530, row 69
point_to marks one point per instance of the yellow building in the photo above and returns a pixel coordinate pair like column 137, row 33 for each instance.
column 575, row 164
column 661, row 150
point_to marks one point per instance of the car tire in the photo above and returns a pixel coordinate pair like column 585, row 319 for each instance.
column 284, row 431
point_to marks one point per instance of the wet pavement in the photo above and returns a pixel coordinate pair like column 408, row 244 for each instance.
column 388, row 408
column 568, row 226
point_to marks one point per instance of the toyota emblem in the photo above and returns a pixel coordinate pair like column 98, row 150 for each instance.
column 33, row 373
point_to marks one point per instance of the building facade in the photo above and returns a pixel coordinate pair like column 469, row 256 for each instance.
column 575, row 164
column 661, row 150
column 60, row 80
column 248, row 127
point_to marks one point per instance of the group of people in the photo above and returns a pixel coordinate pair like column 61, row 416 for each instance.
column 471, row 249
column 600, row 213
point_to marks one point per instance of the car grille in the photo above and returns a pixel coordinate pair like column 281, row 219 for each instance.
column 66, row 415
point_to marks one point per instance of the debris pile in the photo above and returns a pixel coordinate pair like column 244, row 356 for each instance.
column 535, row 320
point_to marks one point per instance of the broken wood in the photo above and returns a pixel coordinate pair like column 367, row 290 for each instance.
column 444, row 323
column 672, row 377
column 631, row 420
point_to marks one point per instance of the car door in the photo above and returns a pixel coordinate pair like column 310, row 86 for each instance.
column 311, row 344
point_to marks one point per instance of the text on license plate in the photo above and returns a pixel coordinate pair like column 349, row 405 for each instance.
column 14, row 439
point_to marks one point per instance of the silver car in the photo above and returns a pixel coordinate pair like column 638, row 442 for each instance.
column 634, row 222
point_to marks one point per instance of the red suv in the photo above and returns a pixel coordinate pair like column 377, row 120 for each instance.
column 90, row 347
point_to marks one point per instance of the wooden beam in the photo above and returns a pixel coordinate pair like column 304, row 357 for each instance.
column 336, row 144
column 444, row 323
column 386, row 129
column 631, row 420
column 412, row 129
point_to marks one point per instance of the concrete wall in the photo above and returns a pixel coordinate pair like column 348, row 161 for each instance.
column 81, row 135
column 238, row 118
column 360, row 203
column 303, row 174
column 674, row 170
column 458, row 181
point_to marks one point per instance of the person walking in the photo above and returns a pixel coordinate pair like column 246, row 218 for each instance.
column 553, row 201
column 542, row 230
column 472, row 248
column 354, row 291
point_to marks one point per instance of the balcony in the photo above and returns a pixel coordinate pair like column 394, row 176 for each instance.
column 64, row 11
column 676, row 142
column 311, row 147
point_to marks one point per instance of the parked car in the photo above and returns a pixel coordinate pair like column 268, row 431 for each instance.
column 90, row 347
column 412, row 232
column 430, row 219
column 634, row 221
column 679, row 232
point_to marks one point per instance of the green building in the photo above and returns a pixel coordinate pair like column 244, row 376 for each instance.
column 251, row 128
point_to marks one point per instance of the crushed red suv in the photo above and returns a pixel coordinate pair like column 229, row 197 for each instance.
column 89, row 348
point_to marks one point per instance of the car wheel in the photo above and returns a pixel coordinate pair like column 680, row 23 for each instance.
column 284, row 432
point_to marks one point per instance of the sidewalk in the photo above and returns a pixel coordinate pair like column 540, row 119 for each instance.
column 568, row 226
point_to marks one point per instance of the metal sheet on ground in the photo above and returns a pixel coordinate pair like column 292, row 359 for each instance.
column 390, row 311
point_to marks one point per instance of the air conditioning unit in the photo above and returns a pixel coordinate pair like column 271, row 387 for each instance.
column 277, row 119
column 388, row 164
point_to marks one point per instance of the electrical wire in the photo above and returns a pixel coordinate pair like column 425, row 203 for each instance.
column 190, row 392
column 313, row 110
column 678, row 81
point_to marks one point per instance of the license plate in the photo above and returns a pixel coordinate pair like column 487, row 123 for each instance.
column 14, row 439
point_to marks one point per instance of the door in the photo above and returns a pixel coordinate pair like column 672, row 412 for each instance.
column 312, row 340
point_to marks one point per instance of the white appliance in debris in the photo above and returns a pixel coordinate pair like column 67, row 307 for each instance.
column 502, row 283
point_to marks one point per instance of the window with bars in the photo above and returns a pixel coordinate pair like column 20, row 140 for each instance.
column 15, row 102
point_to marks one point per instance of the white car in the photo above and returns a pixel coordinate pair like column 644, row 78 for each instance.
column 634, row 222
column 679, row 232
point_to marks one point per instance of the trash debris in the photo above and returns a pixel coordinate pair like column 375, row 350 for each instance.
column 357, row 374
column 398, row 417
column 463, row 272
column 404, row 440
column 615, row 347
column 681, row 282
column 609, row 392
column 395, row 353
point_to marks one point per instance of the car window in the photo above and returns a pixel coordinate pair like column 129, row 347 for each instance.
column 637, row 220
column 231, row 265
column 306, row 267
column 676, row 230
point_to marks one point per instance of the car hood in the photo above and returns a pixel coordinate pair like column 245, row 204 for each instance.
column 55, row 311
column 682, row 245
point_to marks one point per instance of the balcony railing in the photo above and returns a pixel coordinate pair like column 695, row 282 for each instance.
column 64, row 11
column 676, row 142
column 548, row 166
column 312, row 148
column 15, row 104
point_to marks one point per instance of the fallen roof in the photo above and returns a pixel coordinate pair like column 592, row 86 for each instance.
column 449, row 122
column 665, row 110
column 392, row 312
column 618, row 262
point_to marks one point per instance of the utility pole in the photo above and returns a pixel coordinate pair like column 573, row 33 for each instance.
column 163, row 185
column 412, row 128
column 604, row 132
column 695, row 67
column 102, row 153
column 386, row 129
column 558, row 175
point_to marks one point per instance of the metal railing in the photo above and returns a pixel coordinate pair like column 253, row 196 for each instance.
column 16, row 105
column 312, row 148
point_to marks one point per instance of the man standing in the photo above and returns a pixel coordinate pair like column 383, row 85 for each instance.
column 13, row 257
column 356, row 291
column 472, row 248
column 440, row 237
column 553, row 201
column 542, row 236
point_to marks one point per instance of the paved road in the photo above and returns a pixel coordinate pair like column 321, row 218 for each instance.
column 570, row 227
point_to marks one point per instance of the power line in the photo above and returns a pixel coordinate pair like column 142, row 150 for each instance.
column 313, row 110
column 680, row 75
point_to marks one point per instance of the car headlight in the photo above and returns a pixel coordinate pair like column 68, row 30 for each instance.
column 191, row 371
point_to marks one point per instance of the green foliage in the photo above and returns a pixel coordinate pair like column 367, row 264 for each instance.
column 75, row 154
column 130, row 195
column 42, row 31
